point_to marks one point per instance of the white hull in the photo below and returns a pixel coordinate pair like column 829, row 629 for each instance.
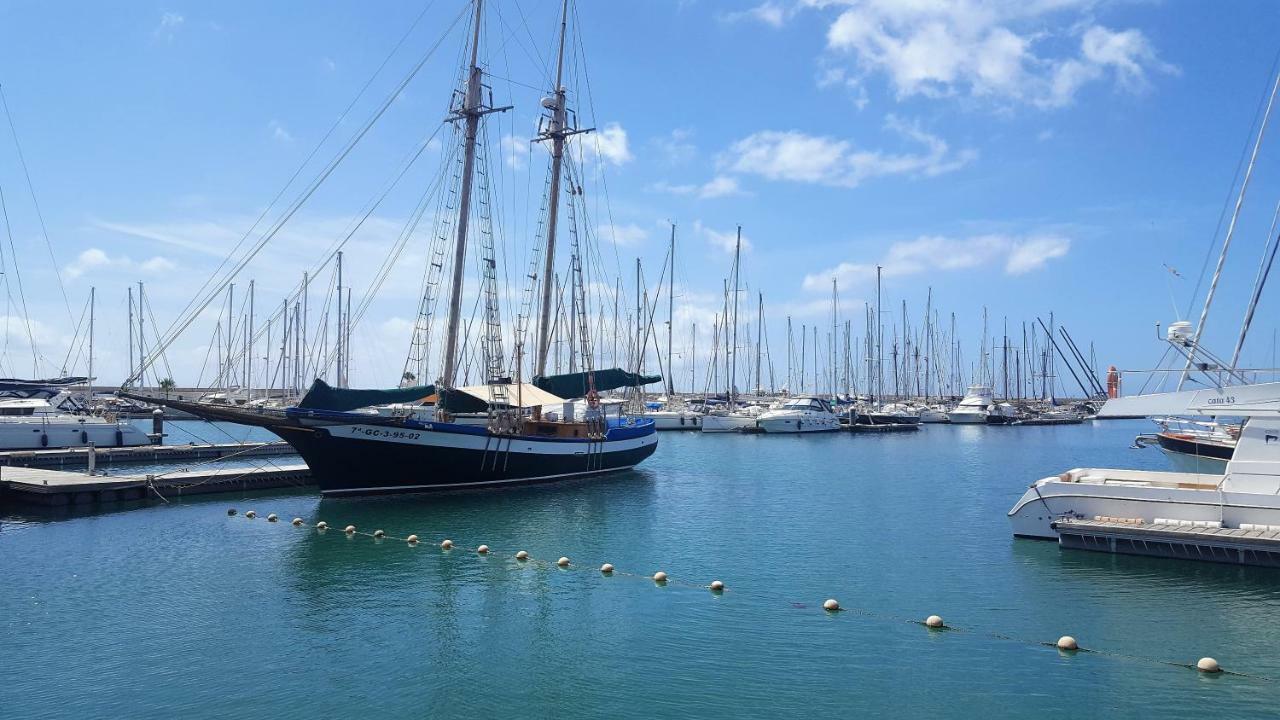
column 802, row 424
column 929, row 415
column 675, row 420
column 36, row 434
column 727, row 423
column 1182, row 462
column 1197, row 499
column 965, row 417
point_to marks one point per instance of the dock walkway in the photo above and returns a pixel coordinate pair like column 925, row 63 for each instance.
column 56, row 488
column 1215, row 544
column 79, row 457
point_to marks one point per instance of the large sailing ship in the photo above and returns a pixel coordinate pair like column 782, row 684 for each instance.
column 504, row 431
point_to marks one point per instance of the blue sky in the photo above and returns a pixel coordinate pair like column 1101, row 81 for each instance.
column 1024, row 156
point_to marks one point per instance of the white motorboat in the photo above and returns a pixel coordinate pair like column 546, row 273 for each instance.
column 740, row 420
column 934, row 414
column 674, row 419
column 973, row 409
column 1246, row 494
column 35, row 423
column 801, row 415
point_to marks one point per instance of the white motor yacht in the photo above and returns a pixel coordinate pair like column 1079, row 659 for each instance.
column 740, row 420
column 1245, row 497
column 35, row 423
column 973, row 409
column 801, row 415
column 934, row 414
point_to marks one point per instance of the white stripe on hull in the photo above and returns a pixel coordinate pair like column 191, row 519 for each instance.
column 482, row 483
column 480, row 443
column 1033, row 513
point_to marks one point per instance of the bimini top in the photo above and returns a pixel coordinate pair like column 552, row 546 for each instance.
column 522, row 395
column 1259, row 400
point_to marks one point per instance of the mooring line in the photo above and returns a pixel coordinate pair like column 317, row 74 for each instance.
column 539, row 563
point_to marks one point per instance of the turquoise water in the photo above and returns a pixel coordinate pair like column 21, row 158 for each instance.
column 180, row 610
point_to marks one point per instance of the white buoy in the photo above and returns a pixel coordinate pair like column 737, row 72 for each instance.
column 350, row 529
column 606, row 568
column 412, row 539
column 831, row 605
column 446, row 545
column 1066, row 642
column 563, row 562
column 1208, row 665
column 522, row 555
column 272, row 517
column 716, row 586
column 379, row 533
column 483, row 549
column 297, row 522
column 934, row 621
column 322, row 525
column 659, row 577
column 251, row 514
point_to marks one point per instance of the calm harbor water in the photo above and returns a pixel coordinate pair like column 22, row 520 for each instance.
column 180, row 610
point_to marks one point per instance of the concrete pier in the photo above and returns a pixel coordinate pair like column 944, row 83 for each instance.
column 58, row 488
column 79, row 457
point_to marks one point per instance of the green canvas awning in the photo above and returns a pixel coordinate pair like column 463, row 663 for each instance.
column 574, row 385
column 323, row 396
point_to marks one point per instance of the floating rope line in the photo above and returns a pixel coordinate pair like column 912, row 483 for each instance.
column 1206, row 666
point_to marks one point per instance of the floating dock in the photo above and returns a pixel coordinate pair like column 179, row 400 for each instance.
column 79, row 457
column 59, row 488
column 882, row 428
column 1238, row 546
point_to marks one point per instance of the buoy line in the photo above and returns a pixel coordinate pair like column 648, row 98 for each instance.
column 934, row 623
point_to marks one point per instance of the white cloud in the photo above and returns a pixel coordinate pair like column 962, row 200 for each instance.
column 623, row 235
column 168, row 27
column 1004, row 50
column 515, row 151
column 96, row 259
column 723, row 240
column 794, row 156
column 1033, row 253
column 718, row 186
column 279, row 132
column 609, row 144
column 1017, row 255
column 769, row 12
column 677, row 146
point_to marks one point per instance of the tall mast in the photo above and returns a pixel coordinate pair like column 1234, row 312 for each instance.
column 879, row 345
column 470, row 112
column 131, row 367
column 339, row 339
column 671, row 304
column 248, row 351
column 92, row 299
column 733, row 361
column 759, row 338
column 142, row 352
column 556, row 131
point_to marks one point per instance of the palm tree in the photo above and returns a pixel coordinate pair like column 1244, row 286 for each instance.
column 167, row 385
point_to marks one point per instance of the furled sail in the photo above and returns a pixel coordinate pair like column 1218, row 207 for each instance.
column 323, row 396
column 574, row 385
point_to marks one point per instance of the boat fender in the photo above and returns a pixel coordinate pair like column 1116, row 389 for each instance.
column 799, row 423
column 84, row 437
column 44, row 440
column 119, row 437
